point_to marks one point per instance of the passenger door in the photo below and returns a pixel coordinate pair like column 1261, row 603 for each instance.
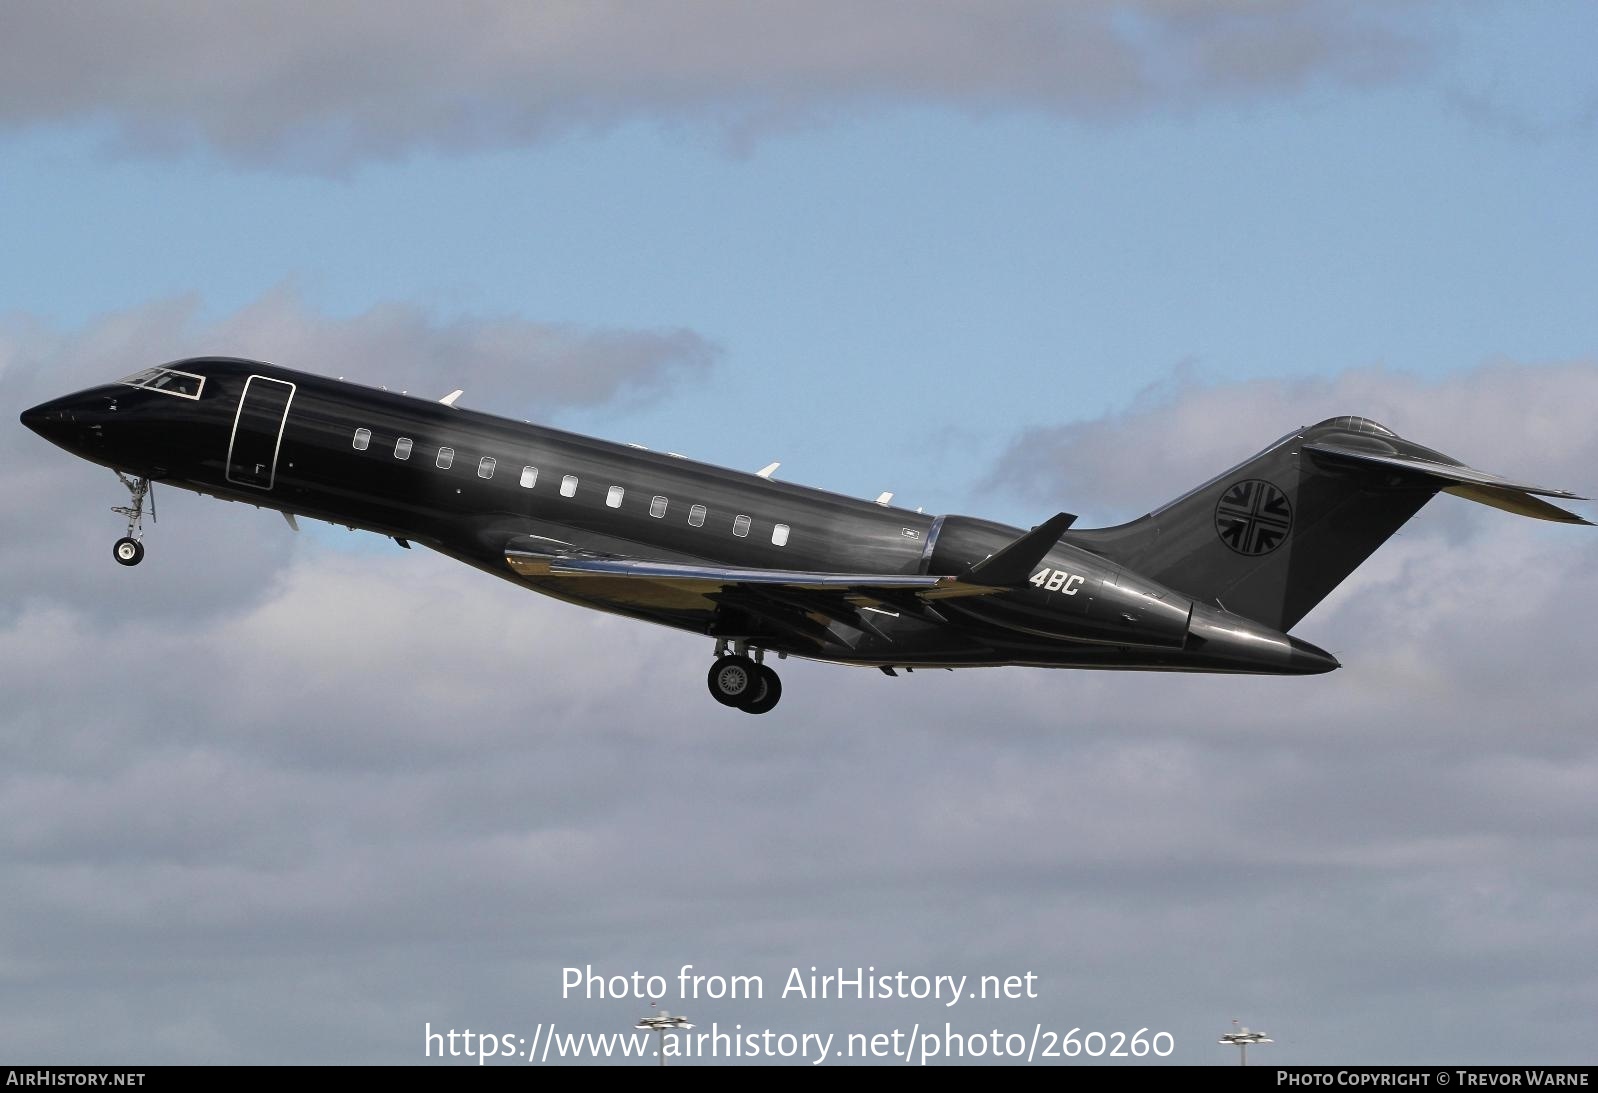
column 258, row 432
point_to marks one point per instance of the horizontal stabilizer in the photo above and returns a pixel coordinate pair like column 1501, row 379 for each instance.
column 1457, row 479
column 1519, row 502
column 1013, row 564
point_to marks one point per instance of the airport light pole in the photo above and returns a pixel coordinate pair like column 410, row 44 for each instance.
column 1241, row 1038
column 660, row 1022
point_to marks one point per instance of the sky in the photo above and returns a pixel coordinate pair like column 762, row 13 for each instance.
column 279, row 797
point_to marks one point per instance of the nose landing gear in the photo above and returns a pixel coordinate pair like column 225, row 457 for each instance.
column 129, row 550
column 743, row 682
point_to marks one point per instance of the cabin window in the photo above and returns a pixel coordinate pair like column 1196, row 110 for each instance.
column 779, row 535
column 363, row 437
column 402, row 448
column 446, row 458
column 613, row 498
column 657, row 507
column 740, row 526
column 696, row 516
column 485, row 467
column 529, row 477
column 568, row 486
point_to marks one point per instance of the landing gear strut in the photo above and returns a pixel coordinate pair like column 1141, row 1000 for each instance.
column 743, row 682
column 129, row 550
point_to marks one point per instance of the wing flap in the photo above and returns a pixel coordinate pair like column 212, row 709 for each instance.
column 782, row 616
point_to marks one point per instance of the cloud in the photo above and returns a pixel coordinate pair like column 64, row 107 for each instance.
column 503, row 359
column 1523, row 421
column 385, row 790
column 425, row 793
column 332, row 85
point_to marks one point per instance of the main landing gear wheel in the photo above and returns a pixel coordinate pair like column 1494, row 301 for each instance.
column 768, row 691
column 739, row 682
column 732, row 680
column 128, row 551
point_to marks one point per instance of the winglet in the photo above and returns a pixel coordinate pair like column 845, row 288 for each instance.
column 768, row 470
column 1013, row 564
column 449, row 399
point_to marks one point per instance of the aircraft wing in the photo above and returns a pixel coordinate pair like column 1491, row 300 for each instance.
column 1457, row 479
column 800, row 603
column 713, row 578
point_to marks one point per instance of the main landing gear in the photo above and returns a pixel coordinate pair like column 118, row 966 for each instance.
column 129, row 550
column 743, row 682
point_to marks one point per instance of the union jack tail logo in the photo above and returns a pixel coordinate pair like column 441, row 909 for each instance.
column 1253, row 517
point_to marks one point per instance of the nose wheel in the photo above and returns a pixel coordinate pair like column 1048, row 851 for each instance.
column 129, row 550
column 743, row 683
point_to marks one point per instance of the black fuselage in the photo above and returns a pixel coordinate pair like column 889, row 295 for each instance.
column 473, row 486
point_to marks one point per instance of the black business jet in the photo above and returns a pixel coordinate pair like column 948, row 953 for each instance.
column 1211, row 582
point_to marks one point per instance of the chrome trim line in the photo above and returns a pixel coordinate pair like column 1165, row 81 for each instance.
column 932, row 540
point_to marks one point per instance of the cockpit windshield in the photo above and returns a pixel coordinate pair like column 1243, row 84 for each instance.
column 168, row 381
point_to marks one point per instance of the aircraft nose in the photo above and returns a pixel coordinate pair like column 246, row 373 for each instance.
column 39, row 418
column 56, row 420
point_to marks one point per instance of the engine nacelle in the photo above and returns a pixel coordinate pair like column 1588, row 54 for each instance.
column 1073, row 593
